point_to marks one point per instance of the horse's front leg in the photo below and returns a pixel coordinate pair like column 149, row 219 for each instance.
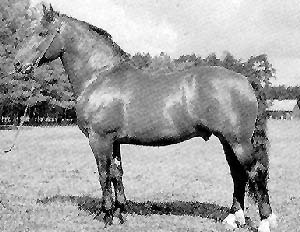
column 117, row 173
column 102, row 147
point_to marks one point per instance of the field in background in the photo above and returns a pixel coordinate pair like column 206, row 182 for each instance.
column 49, row 183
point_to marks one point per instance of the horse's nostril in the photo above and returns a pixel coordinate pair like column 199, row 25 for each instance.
column 17, row 65
column 28, row 69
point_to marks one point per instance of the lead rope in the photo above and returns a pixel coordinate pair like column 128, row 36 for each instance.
column 19, row 127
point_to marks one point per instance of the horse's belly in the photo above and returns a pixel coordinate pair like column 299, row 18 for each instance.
column 149, row 127
column 157, row 124
column 154, row 131
column 161, row 136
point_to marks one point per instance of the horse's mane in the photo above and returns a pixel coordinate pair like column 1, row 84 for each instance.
column 101, row 33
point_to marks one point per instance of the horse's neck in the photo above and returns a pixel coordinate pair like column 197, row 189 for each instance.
column 86, row 56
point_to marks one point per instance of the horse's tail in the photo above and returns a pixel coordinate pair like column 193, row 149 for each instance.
column 259, row 168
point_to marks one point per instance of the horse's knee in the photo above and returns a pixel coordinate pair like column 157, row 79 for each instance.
column 116, row 168
column 117, row 173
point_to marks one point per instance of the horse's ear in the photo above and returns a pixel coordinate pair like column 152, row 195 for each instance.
column 44, row 9
column 51, row 9
column 48, row 14
column 51, row 13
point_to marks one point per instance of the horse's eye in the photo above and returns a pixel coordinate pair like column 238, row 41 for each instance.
column 43, row 33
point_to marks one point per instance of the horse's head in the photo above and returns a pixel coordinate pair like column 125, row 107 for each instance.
column 44, row 45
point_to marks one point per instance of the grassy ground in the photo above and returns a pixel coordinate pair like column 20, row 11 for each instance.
column 49, row 183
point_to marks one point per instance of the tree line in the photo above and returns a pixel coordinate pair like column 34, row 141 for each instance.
column 282, row 92
column 52, row 99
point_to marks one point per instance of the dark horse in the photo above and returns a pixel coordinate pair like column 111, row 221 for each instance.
column 119, row 104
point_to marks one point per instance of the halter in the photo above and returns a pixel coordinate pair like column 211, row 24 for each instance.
column 36, row 62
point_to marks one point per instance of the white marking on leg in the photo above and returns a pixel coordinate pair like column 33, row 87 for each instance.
column 272, row 220
column 229, row 222
column 264, row 226
column 240, row 217
column 117, row 162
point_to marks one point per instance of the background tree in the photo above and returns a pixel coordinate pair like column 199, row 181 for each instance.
column 232, row 63
column 14, row 24
column 212, row 60
column 141, row 61
column 162, row 63
column 51, row 87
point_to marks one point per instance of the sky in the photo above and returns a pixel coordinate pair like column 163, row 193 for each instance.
column 243, row 27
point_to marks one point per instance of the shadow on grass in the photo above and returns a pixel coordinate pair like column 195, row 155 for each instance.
column 195, row 209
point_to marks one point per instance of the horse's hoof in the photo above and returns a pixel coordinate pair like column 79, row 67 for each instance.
column 99, row 217
column 107, row 224
column 118, row 220
column 240, row 217
column 264, row 226
column 229, row 222
column 119, row 216
column 118, row 213
column 122, row 219
column 108, row 220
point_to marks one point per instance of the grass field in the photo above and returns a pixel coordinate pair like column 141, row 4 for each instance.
column 49, row 183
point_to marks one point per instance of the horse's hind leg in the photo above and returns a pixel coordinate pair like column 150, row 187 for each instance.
column 102, row 148
column 239, row 176
column 258, row 178
column 117, row 173
column 268, row 219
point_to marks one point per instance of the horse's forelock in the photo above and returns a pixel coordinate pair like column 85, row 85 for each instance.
column 47, row 12
column 49, row 16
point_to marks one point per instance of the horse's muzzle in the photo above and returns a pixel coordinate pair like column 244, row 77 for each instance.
column 18, row 67
column 26, row 69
